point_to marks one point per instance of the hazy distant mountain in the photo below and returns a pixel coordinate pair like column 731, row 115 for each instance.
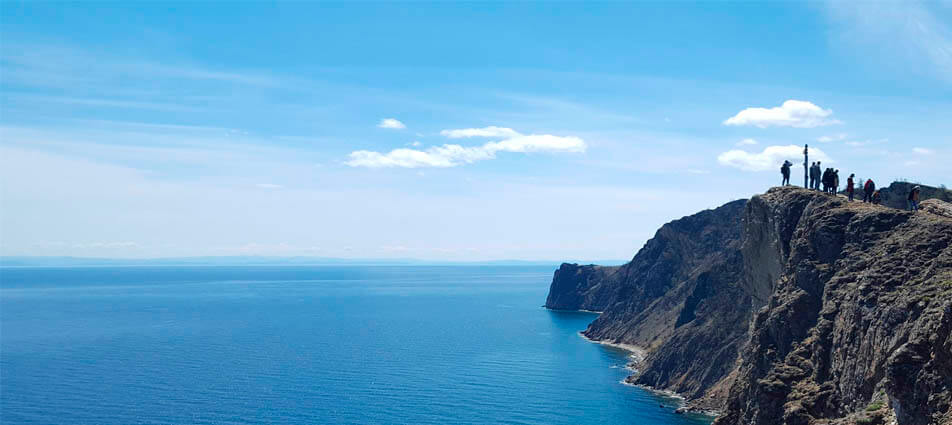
column 41, row 261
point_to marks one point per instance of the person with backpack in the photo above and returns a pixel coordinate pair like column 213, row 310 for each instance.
column 785, row 171
column 868, row 190
column 913, row 199
column 849, row 187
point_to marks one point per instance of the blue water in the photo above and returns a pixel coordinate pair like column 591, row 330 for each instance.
column 295, row 345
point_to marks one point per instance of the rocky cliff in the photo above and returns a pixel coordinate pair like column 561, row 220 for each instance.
column 795, row 307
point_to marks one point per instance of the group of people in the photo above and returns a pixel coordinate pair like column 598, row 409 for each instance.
column 830, row 180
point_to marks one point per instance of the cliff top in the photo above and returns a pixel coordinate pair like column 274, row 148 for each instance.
column 934, row 202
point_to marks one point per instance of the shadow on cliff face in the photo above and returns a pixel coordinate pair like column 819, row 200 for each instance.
column 793, row 307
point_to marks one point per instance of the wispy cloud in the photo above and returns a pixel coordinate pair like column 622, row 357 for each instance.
column 102, row 103
column 923, row 151
column 867, row 142
column 769, row 159
column 391, row 123
column 915, row 34
column 452, row 155
column 746, row 142
column 161, row 148
column 832, row 138
column 52, row 65
column 86, row 245
column 491, row 131
column 268, row 186
column 792, row 113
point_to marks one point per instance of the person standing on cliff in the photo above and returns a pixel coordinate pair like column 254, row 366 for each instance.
column 913, row 199
column 849, row 187
column 868, row 190
column 836, row 182
column 812, row 175
column 785, row 171
column 817, row 173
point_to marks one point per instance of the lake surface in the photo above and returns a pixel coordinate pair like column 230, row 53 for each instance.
column 295, row 345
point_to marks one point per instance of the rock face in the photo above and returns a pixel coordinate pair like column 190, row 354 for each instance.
column 576, row 287
column 795, row 307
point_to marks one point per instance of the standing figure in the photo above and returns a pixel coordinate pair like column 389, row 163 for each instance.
column 785, row 170
column 868, row 190
column 819, row 175
column 849, row 187
column 812, row 175
column 913, row 199
column 836, row 182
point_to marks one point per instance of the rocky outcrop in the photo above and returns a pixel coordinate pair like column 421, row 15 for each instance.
column 937, row 207
column 679, row 297
column 795, row 307
column 576, row 287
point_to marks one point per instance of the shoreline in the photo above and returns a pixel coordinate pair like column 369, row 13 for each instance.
column 580, row 310
column 635, row 353
column 637, row 356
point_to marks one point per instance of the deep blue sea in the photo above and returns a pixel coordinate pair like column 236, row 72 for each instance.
column 304, row 345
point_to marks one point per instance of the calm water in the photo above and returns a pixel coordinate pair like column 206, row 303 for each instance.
column 294, row 345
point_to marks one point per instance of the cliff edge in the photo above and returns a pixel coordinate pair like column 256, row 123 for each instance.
column 795, row 307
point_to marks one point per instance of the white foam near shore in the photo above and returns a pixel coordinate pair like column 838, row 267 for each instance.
column 637, row 354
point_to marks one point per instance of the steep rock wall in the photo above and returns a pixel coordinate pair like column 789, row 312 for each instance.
column 679, row 297
column 859, row 316
column 795, row 307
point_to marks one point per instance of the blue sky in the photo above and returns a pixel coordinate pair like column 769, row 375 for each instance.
column 457, row 131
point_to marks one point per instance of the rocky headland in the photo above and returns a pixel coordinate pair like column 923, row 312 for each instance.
column 793, row 307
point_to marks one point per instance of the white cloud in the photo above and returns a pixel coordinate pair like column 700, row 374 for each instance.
column 793, row 113
column 416, row 144
column 392, row 123
column 832, row 138
column 451, row 155
column 746, row 142
column 268, row 186
column 770, row 158
column 923, row 151
column 491, row 131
